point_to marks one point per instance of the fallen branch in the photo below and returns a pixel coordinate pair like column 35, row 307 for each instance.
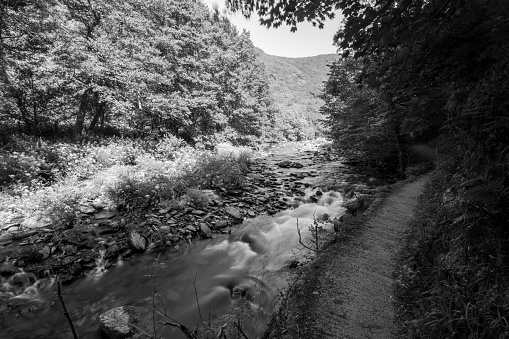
column 240, row 330
column 187, row 332
column 197, row 302
column 142, row 331
column 300, row 239
column 64, row 309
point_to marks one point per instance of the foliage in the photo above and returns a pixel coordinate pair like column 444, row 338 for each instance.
column 135, row 173
column 359, row 118
column 139, row 67
column 452, row 281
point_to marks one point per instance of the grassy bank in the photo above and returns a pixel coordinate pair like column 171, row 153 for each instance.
column 45, row 183
column 453, row 276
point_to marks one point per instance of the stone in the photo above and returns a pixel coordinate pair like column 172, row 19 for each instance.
column 221, row 224
column 191, row 228
column 69, row 260
column 98, row 204
column 105, row 214
column 284, row 164
column 233, row 212
column 23, row 234
column 115, row 323
column 46, row 252
column 136, row 241
column 294, row 264
column 205, row 230
column 8, row 270
column 86, row 209
column 198, row 212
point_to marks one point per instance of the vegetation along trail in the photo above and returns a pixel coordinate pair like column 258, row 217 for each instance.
column 347, row 292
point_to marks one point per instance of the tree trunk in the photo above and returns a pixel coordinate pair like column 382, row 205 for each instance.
column 16, row 95
column 99, row 113
column 85, row 106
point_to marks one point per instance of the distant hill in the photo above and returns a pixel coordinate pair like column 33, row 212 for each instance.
column 295, row 84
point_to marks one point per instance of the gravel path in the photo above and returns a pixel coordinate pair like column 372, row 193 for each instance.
column 347, row 292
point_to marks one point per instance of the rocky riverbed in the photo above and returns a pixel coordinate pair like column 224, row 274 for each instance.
column 105, row 234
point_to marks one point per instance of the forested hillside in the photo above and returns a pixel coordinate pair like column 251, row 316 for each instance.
column 129, row 67
column 296, row 85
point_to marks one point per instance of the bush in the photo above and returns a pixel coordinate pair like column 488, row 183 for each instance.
column 452, row 282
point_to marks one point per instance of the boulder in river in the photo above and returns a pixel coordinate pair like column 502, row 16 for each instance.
column 205, row 230
column 136, row 241
column 115, row 323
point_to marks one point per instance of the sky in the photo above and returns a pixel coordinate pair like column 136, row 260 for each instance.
column 307, row 41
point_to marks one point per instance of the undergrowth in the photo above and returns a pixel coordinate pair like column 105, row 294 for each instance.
column 46, row 182
column 453, row 277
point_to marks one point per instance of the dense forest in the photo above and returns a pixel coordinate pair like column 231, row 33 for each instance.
column 412, row 71
column 130, row 67
column 435, row 72
column 296, row 85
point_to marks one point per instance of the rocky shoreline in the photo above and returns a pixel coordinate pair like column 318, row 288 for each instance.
column 104, row 231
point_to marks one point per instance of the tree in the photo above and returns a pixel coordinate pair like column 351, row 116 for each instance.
column 169, row 66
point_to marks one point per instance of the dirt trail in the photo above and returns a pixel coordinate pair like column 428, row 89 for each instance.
column 347, row 293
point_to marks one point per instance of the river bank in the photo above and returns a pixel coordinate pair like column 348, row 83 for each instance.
column 106, row 238
column 347, row 291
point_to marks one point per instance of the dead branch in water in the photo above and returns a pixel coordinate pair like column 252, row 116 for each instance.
column 187, row 332
column 240, row 330
column 197, row 302
column 64, row 310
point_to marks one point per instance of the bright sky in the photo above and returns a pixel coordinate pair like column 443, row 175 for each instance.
column 307, row 41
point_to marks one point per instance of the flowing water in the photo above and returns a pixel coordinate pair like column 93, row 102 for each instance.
column 253, row 263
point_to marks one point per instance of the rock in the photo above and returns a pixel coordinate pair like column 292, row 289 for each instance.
column 106, row 214
column 23, row 234
column 297, row 165
column 98, row 204
column 205, row 230
column 68, row 260
column 136, row 241
column 318, row 193
column 191, row 228
column 8, row 270
column 86, row 209
column 284, row 164
column 69, row 249
column 354, row 206
column 198, row 212
column 294, row 264
column 232, row 211
column 221, row 224
column 115, row 323
column 46, row 252
column 29, row 255
column 313, row 199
